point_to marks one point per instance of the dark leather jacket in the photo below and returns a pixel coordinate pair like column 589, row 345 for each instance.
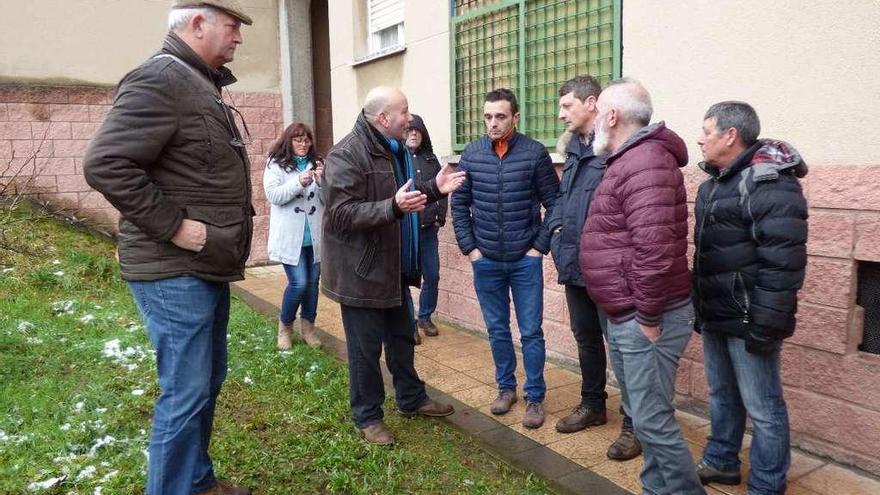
column 361, row 226
column 164, row 153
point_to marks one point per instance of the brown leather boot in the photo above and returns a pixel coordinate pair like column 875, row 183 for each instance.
column 285, row 333
column 581, row 418
column 503, row 403
column 307, row 329
column 377, row 434
column 626, row 447
column 225, row 488
column 429, row 328
column 431, row 408
column 534, row 416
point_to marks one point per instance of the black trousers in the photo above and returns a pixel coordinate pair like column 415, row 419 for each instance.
column 587, row 330
column 367, row 330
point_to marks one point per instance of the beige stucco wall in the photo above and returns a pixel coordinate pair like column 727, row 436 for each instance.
column 422, row 71
column 809, row 68
column 98, row 41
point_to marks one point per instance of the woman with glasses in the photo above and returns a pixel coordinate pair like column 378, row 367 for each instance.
column 292, row 182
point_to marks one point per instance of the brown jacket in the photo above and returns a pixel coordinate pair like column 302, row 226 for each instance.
column 361, row 236
column 163, row 154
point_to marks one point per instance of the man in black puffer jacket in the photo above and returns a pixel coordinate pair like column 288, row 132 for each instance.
column 497, row 220
column 751, row 234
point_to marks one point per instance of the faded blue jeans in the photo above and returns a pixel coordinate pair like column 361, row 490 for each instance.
column 186, row 319
column 429, row 258
column 740, row 382
column 302, row 288
column 647, row 372
column 494, row 282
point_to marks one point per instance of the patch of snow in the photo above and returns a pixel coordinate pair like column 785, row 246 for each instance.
column 87, row 318
column 137, row 392
column 24, row 326
column 107, row 440
column 59, row 273
column 45, row 485
column 86, row 473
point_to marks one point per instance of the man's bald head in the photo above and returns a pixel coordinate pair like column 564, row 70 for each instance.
column 387, row 109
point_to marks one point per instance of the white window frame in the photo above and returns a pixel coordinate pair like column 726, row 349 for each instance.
column 381, row 15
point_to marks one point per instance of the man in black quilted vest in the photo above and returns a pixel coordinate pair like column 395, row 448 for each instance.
column 497, row 219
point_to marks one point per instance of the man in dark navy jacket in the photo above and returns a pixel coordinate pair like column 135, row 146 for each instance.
column 497, row 219
column 582, row 172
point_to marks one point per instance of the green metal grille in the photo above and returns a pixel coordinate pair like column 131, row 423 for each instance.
column 532, row 47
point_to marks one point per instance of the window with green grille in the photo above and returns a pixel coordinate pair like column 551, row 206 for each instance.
column 531, row 47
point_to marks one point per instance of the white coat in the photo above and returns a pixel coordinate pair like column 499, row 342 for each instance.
column 291, row 206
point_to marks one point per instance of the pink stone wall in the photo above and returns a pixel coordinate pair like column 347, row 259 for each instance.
column 832, row 389
column 44, row 131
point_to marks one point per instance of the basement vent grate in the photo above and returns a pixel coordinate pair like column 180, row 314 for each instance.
column 868, row 297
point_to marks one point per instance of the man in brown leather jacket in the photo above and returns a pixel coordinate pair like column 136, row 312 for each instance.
column 370, row 238
column 171, row 160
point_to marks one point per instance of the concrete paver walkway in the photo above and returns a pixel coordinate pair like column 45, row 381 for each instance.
column 459, row 365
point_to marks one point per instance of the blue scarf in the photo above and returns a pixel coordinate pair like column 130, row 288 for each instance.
column 302, row 164
column 409, row 226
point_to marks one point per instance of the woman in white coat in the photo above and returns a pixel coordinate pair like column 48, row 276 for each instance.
column 292, row 182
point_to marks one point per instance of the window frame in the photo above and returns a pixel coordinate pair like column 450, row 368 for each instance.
column 374, row 39
column 520, row 87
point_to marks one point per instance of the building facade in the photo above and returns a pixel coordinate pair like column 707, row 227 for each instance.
column 809, row 70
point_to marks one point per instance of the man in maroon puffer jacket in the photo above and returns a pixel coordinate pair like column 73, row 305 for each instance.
column 633, row 256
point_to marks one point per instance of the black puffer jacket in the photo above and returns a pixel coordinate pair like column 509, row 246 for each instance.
column 427, row 166
column 498, row 208
column 581, row 174
column 750, row 236
column 165, row 153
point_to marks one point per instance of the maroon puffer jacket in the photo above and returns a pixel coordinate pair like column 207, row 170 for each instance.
column 633, row 250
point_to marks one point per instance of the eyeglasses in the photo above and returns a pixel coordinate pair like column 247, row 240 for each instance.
column 238, row 141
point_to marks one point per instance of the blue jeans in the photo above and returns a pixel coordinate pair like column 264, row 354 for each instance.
column 494, row 282
column 186, row 319
column 741, row 382
column 646, row 371
column 430, row 265
column 302, row 288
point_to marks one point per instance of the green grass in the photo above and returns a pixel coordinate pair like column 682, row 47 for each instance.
column 282, row 423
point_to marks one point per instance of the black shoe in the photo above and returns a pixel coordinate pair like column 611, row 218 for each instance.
column 708, row 474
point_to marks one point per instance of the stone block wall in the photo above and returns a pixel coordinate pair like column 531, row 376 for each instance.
column 832, row 389
column 44, row 131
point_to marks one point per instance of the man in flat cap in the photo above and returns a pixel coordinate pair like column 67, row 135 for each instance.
column 170, row 158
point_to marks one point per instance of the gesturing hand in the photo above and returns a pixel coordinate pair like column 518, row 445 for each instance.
column 448, row 181
column 410, row 201
column 191, row 235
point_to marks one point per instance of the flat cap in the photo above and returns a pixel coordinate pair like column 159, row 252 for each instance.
column 231, row 7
